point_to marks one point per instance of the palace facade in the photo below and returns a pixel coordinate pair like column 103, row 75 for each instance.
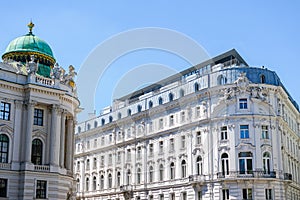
column 38, row 106
column 218, row 130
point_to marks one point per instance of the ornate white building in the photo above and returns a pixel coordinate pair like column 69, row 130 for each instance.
column 38, row 105
column 218, row 130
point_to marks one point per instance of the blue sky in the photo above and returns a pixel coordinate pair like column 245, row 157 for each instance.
column 263, row 32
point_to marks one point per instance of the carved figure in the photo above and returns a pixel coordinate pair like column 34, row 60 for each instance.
column 31, row 66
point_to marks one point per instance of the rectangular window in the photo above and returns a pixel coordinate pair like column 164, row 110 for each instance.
column 268, row 193
column 128, row 155
column 95, row 163
column 102, row 140
column 224, row 133
column 110, row 159
column 199, row 195
column 41, row 189
column 171, row 120
column 161, row 146
column 161, row 197
column 150, row 127
column 183, row 141
column 150, row 149
column 243, row 104
column 139, row 152
column 265, row 132
column 110, row 138
column 88, row 144
column 225, row 194
column 151, row 197
column 172, row 196
column 172, row 147
column 161, row 123
column 199, row 138
column 95, row 143
column 184, row 196
column 119, row 157
column 245, row 163
column 198, row 111
column 247, row 193
column 3, row 187
column 244, row 131
column 38, row 117
column 102, row 161
column 182, row 116
column 5, row 111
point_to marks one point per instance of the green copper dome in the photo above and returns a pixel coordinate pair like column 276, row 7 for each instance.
column 21, row 48
column 29, row 43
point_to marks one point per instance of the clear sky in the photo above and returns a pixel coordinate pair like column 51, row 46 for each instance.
column 263, row 32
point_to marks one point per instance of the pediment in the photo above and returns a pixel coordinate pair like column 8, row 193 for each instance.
column 6, row 129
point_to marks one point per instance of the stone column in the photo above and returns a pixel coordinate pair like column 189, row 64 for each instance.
column 70, row 145
column 17, row 134
column 28, row 135
column 54, row 135
column 62, row 140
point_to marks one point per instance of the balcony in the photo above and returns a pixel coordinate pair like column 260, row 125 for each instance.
column 42, row 168
column 197, row 179
column 5, row 165
column 246, row 174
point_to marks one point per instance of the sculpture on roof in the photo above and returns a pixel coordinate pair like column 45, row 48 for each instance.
column 57, row 72
column 31, row 66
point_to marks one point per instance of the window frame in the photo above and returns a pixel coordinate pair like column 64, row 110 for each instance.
column 243, row 103
column 3, row 187
column 5, row 109
column 38, row 117
column 4, row 148
column 41, row 189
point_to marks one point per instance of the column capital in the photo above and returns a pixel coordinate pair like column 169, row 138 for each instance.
column 19, row 104
column 56, row 108
column 30, row 103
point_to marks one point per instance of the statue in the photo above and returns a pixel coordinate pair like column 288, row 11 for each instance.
column 69, row 78
column 57, row 72
column 31, row 66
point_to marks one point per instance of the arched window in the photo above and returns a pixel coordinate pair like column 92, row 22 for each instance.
column 225, row 164
column 183, row 169
column 88, row 126
column 221, row 80
column 199, row 165
column 79, row 129
column 78, row 185
column 87, row 183
column 150, row 104
column 102, row 122
column 129, row 112
column 196, row 87
column 181, row 93
column 262, row 79
column 118, row 179
column 128, row 177
column 171, row 96
column 138, row 175
column 37, row 152
column 94, row 182
column 109, row 181
column 87, row 164
column 4, row 147
column 102, row 182
column 161, row 172
column 139, row 108
column 151, row 174
column 172, row 170
column 95, row 124
column 119, row 115
column 110, row 119
column 266, row 162
column 160, row 101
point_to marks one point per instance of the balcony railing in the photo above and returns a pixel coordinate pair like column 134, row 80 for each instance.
column 246, row 174
column 42, row 168
column 197, row 178
column 5, row 165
